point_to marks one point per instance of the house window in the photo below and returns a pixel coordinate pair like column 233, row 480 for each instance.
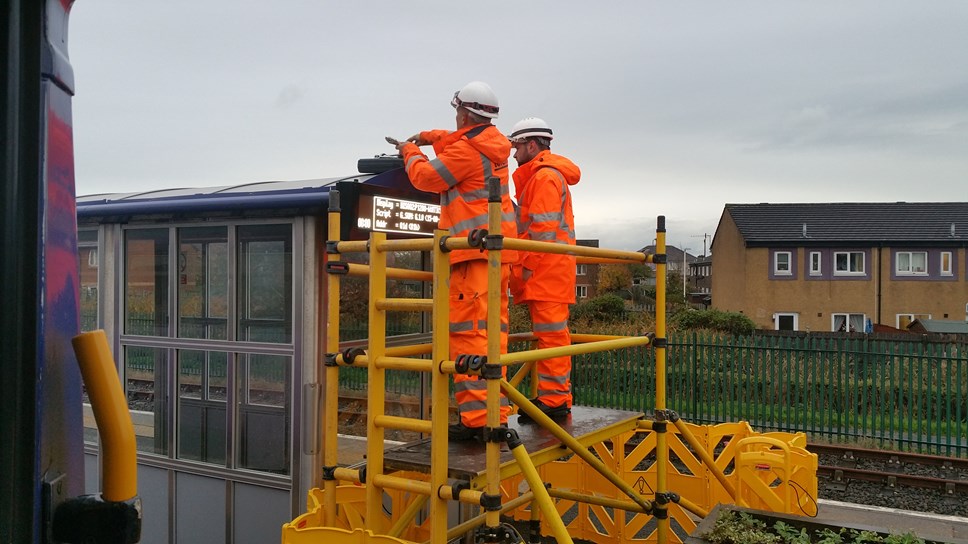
column 816, row 260
column 785, row 321
column 781, row 263
column 946, row 263
column 848, row 322
column 581, row 270
column 905, row 320
column 847, row 263
column 911, row 263
column 581, row 291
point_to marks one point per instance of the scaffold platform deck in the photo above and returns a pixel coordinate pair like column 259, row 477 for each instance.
column 467, row 461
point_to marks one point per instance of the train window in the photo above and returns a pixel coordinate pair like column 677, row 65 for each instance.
column 265, row 283
column 146, row 282
column 201, row 405
column 264, row 413
column 145, row 371
column 203, row 282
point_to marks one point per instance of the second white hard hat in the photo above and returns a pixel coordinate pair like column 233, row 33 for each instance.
column 530, row 127
column 477, row 97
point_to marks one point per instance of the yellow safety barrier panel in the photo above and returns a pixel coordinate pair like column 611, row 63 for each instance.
column 771, row 471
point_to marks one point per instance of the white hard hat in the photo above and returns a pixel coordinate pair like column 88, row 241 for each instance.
column 530, row 127
column 477, row 97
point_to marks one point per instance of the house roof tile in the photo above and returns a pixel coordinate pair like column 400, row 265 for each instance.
column 852, row 222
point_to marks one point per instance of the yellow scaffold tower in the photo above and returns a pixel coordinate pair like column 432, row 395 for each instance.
column 602, row 476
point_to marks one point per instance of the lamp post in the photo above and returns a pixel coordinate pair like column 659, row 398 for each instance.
column 684, row 269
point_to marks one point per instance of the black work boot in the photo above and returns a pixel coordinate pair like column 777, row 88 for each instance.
column 556, row 413
column 459, row 433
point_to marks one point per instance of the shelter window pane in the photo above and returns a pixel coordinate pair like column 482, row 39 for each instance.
column 265, row 283
column 145, row 371
column 202, row 282
column 201, row 418
column 146, row 282
column 264, row 413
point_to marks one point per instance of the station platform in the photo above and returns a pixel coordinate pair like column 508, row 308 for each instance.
column 466, row 459
column 926, row 525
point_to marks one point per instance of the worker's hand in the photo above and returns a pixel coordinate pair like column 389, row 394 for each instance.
column 416, row 139
column 395, row 142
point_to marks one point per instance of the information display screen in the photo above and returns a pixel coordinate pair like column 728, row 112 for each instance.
column 389, row 214
column 398, row 213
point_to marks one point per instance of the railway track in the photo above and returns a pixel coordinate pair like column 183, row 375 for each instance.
column 843, row 464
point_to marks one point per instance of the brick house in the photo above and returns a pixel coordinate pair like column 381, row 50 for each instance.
column 842, row 266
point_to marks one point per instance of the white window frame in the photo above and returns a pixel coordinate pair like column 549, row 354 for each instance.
column 849, row 272
column 910, row 318
column 847, row 316
column 581, row 291
column 816, row 263
column 581, row 269
column 794, row 315
column 949, row 269
column 910, row 269
column 777, row 271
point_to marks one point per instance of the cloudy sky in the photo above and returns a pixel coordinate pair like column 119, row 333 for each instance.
column 672, row 108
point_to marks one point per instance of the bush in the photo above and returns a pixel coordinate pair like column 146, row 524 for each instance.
column 728, row 322
column 607, row 308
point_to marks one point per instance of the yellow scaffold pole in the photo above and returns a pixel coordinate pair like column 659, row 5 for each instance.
column 376, row 385
column 492, row 452
column 661, row 511
column 330, row 420
column 439, row 390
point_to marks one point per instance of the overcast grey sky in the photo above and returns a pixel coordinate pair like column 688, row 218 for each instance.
column 672, row 108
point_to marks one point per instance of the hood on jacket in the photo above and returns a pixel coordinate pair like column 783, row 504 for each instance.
column 547, row 159
column 490, row 142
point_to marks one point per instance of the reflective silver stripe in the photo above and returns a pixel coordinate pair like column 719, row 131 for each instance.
column 556, row 379
column 548, row 393
column 551, row 327
column 478, row 405
column 414, row 159
column 507, row 216
column 443, row 172
column 488, row 172
column 471, row 405
column 547, row 236
column 449, row 196
column 550, row 216
column 471, row 385
column 479, row 221
column 482, row 324
column 469, row 196
column 462, row 326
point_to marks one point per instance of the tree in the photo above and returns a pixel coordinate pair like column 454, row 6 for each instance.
column 614, row 278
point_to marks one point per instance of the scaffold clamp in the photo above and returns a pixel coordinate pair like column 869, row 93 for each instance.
column 494, row 242
column 491, row 371
column 476, row 238
column 352, row 353
column 499, row 434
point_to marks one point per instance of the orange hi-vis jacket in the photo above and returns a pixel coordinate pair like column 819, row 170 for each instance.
column 544, row 213
column 465, row 160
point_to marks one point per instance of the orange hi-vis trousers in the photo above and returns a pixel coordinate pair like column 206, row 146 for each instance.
column 468, row 335
column 550, row 325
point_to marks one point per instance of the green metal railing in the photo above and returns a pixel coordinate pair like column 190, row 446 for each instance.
column 897, row 395
column 909, row 396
